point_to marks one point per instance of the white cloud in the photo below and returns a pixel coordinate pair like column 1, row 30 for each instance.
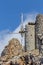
column 5, row 36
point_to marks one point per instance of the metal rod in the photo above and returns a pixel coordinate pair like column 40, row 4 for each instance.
column 25, row 42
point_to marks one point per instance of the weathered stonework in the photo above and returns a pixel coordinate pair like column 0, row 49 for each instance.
column 30, row 36
column 38, row 28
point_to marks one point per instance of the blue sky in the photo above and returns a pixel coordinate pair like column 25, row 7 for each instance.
column 10, row 17
column 10, row 11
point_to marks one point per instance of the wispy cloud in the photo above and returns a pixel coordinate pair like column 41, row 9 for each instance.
column 5, row 36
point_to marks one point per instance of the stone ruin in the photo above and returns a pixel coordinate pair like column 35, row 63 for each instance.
column 13, row 53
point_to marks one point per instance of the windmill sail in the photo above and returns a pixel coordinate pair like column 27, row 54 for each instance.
column 22, row 28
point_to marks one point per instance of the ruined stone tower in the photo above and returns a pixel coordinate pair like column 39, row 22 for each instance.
column 34, row 35
column 30, row 36
column 39, row 30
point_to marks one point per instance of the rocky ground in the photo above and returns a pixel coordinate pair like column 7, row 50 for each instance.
column 13, row 54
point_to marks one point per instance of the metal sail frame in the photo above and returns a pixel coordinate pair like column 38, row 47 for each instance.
column 23, row 32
